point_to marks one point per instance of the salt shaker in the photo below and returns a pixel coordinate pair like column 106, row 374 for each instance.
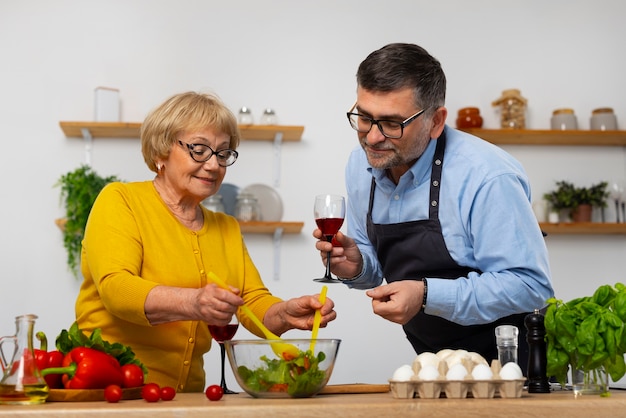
column 537, row 353
column 269, row 117
column 506, row 341
column 245, row 116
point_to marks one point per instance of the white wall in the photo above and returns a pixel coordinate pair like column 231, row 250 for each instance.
column 299, row 58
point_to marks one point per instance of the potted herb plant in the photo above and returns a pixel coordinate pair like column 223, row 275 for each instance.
column 577, row 201
column 587, row 334
column 79, row 189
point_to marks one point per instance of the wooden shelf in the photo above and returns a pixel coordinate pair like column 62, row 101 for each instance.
column 583, row 228
column 101, row 129
column 270, row 227
column 268, row 132
column 550, row 137
column 131, row 130
column 246, row 227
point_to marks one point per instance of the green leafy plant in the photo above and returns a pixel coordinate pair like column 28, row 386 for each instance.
column 587, row 333
column 568, row 196
column 79, row 189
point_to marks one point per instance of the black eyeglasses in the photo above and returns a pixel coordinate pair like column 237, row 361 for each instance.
column 201, row 153
column 389, row 128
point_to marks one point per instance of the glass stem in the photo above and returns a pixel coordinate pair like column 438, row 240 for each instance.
column 223, row 355
column 329, row 238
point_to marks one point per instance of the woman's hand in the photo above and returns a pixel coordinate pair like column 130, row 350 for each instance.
column 298, row 313
column 215, row 305
column 397, row 301
column 209, row 304
column 346, row 259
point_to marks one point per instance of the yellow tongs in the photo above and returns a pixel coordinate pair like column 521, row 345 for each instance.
column 317, row 319
column 282, row 350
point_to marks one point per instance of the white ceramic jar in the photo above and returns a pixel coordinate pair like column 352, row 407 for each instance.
column 603, row 119
column 563, row 119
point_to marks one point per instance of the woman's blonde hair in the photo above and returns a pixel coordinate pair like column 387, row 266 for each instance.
column 188, row 111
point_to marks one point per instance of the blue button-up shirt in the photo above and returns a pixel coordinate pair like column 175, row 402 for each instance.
column 487, row 222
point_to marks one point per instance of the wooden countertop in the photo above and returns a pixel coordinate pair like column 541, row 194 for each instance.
column 190, row 405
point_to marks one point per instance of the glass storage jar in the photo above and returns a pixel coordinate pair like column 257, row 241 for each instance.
column 247, row 208
column 214, row 203
column 469, row 117
column 512, row 109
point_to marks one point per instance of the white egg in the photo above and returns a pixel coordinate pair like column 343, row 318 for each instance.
column 428, row 359
column 477, row 358
column 442, row 354
column 403, row 373
column 428, row 372
column 456, row 372
column 457, row 357
column 511, row 371
column 482, row 372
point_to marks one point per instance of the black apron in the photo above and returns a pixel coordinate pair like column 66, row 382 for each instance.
column 416, row 249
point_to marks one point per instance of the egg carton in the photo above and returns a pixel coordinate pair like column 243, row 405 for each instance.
column 458, row 389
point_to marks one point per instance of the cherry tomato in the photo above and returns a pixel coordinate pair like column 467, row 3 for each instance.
column 168, row 393
column 113, row 393
column 151, row 392
column 214, row 392
column 133, row 376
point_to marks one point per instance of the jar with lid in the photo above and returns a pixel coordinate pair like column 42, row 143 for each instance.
column 245, row 116
column 563, row 119
column 512, row 109
column 469, row 117
column 247, row 208
column 603, row 119
column 269, row 117
column 214, row 203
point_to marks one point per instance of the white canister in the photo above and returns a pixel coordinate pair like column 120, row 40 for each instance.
column 563, row 119
column 603, row 119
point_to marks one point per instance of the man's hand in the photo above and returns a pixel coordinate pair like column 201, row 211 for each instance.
column 398, row 301
column 346, row 260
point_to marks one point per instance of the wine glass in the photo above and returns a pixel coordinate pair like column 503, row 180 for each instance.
column 221, row 334
column 329, row 211
column 616, row 189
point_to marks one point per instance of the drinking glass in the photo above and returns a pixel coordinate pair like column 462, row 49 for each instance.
column 329, row 211
column 221, row 334
column 616, row 191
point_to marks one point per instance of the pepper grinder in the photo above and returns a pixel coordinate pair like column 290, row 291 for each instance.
column 537, row 355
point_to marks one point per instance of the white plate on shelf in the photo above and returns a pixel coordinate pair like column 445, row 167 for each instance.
column 269, row 200
column 229, row 193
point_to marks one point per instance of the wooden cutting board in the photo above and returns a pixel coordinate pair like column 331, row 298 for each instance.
column 355, row 388
column 88, row 395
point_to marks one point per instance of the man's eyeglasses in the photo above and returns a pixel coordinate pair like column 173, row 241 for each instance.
column 389, row 128
column 201, row 153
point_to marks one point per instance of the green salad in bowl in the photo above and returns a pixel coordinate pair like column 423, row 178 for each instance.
column 263, row 374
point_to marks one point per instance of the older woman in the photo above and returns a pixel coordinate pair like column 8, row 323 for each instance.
column 149, row 247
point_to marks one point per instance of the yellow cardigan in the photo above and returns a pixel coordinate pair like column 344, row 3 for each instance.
column 133, row 243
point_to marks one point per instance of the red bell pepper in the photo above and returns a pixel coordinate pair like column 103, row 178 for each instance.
column 46, row 359
column 87, row 368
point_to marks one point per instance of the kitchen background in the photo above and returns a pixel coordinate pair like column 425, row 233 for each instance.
column 299, row 58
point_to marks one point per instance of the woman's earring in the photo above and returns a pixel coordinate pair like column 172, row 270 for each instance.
column 158, row 167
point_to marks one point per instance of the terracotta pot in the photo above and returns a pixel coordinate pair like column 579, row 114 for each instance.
column 582, row 213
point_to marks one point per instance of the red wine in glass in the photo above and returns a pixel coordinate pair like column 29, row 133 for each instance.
column 329, row 212
column 221, row 334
